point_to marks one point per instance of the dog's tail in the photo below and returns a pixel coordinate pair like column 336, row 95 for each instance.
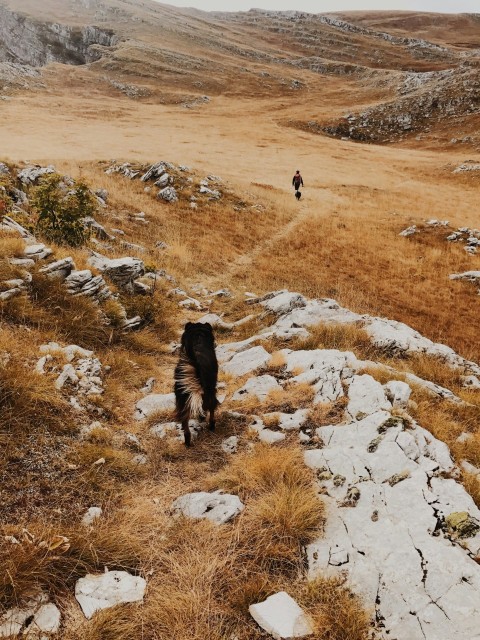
column 188, row 383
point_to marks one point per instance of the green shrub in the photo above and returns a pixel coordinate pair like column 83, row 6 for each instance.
column 60, row 213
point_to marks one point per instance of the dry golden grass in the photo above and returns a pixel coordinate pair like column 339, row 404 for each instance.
column 344, row 337
column 28, row 401
column 202, row 578
column 288, row 399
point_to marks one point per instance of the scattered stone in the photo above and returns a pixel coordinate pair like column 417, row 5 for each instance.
column 11, row 293
column 37, row 252
column 83, row 283
column 148, row 386
column 163, row 181
column 121, row 271
column 102, row 194
column 60, row 269
column 97, row 592
column 410, row 231
column 11, row 225
column 37, row 617
column 169, row 194
column 216, row 507
column 230, row 445
column 31, row 174
column 154, row 403
column 270, row 437
column 155, row 171
column 471, row 382
column 92, row 514
column 68, row 375
column 97, row 228
column 280, row 616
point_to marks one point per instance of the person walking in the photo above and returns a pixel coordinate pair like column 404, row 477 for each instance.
column 297, row 182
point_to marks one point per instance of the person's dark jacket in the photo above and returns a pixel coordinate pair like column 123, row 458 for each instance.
column 297, row 181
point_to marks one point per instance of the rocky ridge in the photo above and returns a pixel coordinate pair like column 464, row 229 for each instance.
column 400, row 529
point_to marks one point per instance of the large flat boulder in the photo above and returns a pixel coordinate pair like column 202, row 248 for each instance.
column 97, row 592
column 247, row 361
column 154, row 403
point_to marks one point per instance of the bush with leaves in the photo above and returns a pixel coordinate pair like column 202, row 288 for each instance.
column 61, row 210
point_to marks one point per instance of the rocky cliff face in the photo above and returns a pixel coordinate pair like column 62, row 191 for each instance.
column 26, row 41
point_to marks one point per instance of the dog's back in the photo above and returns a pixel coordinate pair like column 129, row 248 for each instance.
column 196, row 372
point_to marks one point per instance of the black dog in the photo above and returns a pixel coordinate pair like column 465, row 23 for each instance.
column 298, row 194
column 196, row 376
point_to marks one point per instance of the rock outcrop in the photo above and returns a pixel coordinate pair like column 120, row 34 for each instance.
column 27, row 41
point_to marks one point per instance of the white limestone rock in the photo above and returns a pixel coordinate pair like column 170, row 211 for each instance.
column 290, row 421
column 217, row 507
column 230, row 445
column 162, row 181
column 163, row 429
column 84, row 283
column 11, row 293
column 313, row 313
column 409, row 231
column 11, row 225
column 270, row 437
column 398, row 393
column 365, row 397
column 432, row 388
column 97, row 592
column 92, row 514
column 470, row 276
column 154, row 403
column 259, row 386
column 387, row 541
column 37, row 252
column 169, row 194
column 68, row 375
column 471, row 382
column 247, row 361
column 148, row 386
column 121, row 271
column 225, row 352
column 284, row 302
column 59, row 269
column 37, row 617
column 30, row 175
column 280, row 616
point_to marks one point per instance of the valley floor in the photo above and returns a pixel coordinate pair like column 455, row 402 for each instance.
column 342, row 242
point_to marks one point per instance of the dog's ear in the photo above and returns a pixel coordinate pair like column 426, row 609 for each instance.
column 208, row 326
column 189, row 325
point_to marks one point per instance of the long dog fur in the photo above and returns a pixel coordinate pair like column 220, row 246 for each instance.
column 196, row 376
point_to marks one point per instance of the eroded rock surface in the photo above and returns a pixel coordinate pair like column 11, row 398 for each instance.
column 386, row 527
